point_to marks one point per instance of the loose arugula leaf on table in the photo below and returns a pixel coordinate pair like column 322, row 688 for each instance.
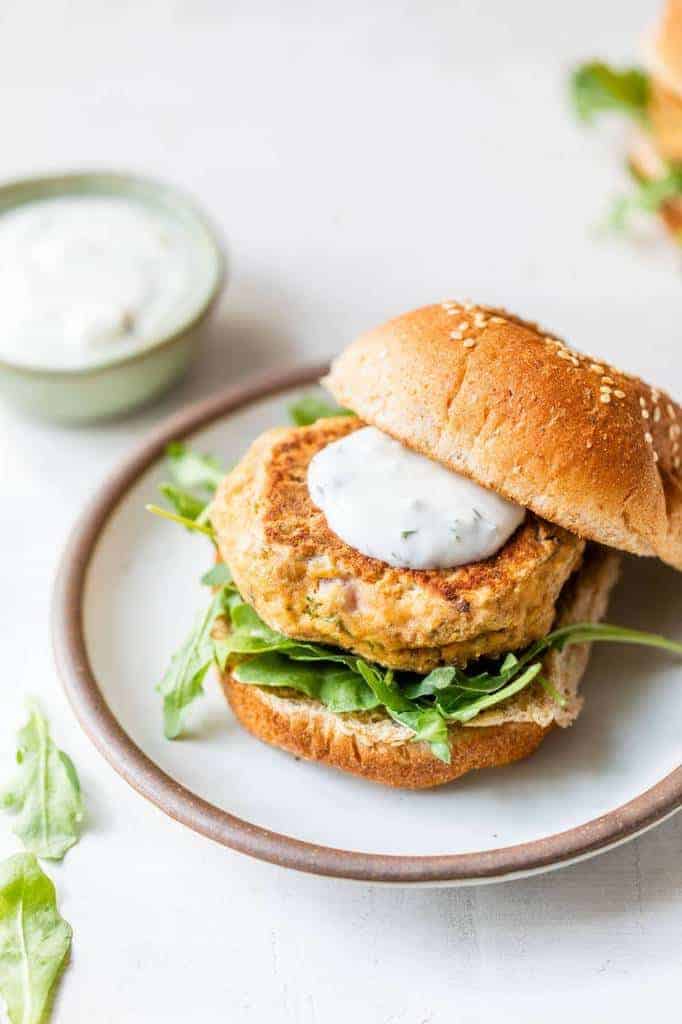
column 310, row 408
column 596, row 87
column 34, row 939
column 45, row 795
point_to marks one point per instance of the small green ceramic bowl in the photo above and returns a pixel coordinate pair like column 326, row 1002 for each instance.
column 117, row 384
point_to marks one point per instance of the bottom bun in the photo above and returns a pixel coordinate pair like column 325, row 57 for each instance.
column 372, row 745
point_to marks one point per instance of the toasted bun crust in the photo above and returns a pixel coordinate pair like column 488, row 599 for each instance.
column 373, row 746
column 493, row 397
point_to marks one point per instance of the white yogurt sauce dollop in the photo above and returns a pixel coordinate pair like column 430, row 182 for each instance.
column 87, row 278
column 390, row 503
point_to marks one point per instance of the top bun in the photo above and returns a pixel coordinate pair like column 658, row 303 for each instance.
column 492, row 397
column 664, row 49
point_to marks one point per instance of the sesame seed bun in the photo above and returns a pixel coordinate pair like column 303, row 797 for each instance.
column 375, row 747
column 490, row 396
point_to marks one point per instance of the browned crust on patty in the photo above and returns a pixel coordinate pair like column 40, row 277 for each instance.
column 307, row 583
column 373, row 746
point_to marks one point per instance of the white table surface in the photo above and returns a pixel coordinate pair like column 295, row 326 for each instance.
column 361, row 158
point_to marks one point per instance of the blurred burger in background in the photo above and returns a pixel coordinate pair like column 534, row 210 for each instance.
column 652, row 98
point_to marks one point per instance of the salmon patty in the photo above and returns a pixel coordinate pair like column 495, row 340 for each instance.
column 305, row 582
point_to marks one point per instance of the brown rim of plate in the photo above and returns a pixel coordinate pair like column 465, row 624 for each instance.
column 88, row 703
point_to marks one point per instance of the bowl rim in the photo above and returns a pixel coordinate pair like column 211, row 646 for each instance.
column 121, row 183
column 618, row 825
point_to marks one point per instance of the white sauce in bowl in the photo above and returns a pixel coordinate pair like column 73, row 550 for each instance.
column 390, row 503
column 85, row 279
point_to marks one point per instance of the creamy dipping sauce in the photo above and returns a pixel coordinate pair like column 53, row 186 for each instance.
column 87, row 278
column 390, row 503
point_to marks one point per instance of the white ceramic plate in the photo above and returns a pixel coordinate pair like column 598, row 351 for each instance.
column 126, row 596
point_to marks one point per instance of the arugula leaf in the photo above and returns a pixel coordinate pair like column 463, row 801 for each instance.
column 189, row 524
column 339, row 689
column 648, row 197
column 183, row 681
column 34, row 939
column 190, row 469
column 596, row 87
column 46, row 794
column 217, row 576
column 185, row 504
column 310, row 408
column 344, row 682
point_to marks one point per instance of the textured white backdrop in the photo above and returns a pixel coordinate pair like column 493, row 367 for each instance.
column 361, row 159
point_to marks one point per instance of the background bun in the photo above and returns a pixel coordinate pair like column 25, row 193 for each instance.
column 646, row 162
column 664, row 49
column 488, row 395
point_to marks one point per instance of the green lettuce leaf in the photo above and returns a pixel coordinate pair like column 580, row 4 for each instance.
column 34, row 939
column 311, row 408
column 344, row 682
column 596, row 87
column 338, row 688
column 189, row 524
column 183, row 680
column 647, row 197
column 217, row 575
column 45, row 795
column 192, row 471
column 183, row 502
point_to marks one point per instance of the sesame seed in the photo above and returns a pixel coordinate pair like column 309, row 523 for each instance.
column 562, row 353
column 453, row 312
column 497, row 320
column 648, row 438
column 605, row 399
column 608, row 380
column 655, row 456
column 657, row 414
column 642, row 402
column 645, row 414
column 469, row 343
column 618, row 393
column 670, row 410
column 605, row 389
column 676, row 462
column 596, row 367
column 463, row 325
column 576, row 362
column 675, row 430
column 589, row 444
column 655, row 394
